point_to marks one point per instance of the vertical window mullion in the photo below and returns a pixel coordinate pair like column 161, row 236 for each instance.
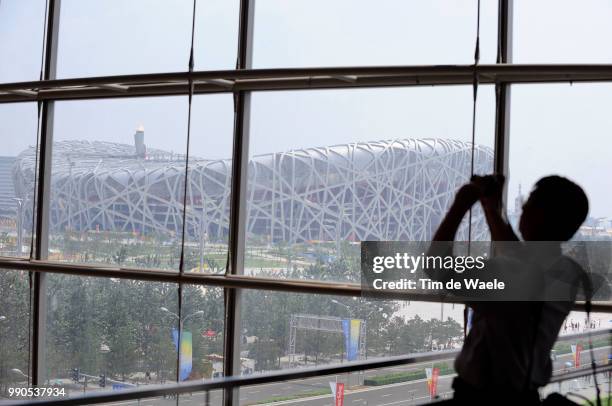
column 502, row 91
column 43, row 194
column 238, row 211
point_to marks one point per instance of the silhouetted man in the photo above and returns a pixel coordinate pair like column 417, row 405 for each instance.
column 506, row 355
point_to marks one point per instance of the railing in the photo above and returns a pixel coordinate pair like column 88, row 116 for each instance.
column 233, row 382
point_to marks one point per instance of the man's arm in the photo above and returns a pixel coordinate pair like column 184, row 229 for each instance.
column 466, row 196
column 442, row 242
column 491, row 187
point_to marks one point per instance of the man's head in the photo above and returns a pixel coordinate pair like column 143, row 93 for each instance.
column 554, row 210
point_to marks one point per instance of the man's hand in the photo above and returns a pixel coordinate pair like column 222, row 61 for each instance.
column 467, row 195
column 491, row 188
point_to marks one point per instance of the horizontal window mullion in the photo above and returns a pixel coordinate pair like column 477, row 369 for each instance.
column 231, row 281
column 295, row 79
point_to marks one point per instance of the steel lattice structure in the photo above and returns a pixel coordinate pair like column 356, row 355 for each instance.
column 385, row 190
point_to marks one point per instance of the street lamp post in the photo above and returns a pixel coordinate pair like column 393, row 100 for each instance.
column 180, row 331
column 19, row 372
column 181, row 319
column 347, row 307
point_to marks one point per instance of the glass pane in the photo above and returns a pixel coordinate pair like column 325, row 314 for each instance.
column 116, row 191
column 147, row 36
column 562, row 31
column 105, row 334
column 572, row 354
column 390, row 32
column 581, row 389
column 202, row 320
column 18, row 124
column 14, row 331
column 556, row 129
column 407, row 386
column 283, row 330
column 215, row 398
column 199, row 398
column 216, row 34
column 21, row 39
column 332, row 168
column 206, row 238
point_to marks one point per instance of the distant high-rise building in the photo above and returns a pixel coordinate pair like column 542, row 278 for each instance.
column 518, row 202
column 139, row 145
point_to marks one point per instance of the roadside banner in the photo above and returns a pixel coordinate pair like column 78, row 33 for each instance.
column 185, row 357
column 576, row 349
column 351, row 329
column 339, row 394
column 432, row 380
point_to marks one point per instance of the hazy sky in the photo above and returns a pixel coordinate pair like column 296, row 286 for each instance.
column 554, row 128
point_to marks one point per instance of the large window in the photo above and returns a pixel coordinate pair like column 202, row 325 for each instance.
column 329, row 169
column 175, row 223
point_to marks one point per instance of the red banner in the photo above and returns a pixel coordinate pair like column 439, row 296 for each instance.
column 432, row 380
column 339, row 394
column 576, row 349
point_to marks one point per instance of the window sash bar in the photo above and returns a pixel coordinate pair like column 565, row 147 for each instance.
column 298, row 79
column 230, row 281
column 238, row 210
column 43, row 193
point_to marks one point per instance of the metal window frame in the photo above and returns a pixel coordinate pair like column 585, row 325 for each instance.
column 241, row 82
column 249, row 80
column 238, row 210
column 39, row 308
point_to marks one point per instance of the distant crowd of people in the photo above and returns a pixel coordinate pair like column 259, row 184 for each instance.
column 574, row 326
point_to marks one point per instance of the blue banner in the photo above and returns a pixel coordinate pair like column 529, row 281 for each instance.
column 185, row 356
column 351, row 329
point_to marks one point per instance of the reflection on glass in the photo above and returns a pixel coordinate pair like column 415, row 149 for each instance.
column 14, row 330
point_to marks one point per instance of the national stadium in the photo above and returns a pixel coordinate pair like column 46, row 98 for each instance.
column 384, row 190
